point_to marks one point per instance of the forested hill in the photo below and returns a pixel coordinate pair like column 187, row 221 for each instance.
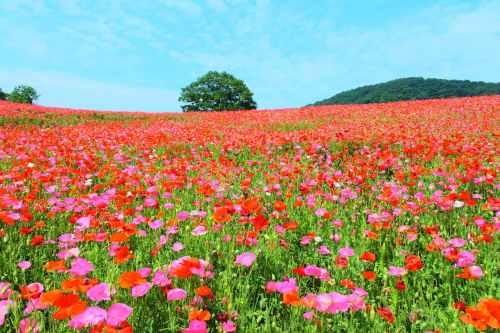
column 411, row 89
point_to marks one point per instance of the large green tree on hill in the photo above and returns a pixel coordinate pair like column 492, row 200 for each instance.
column 23, row 94
column 3, row 96
column 217, row 91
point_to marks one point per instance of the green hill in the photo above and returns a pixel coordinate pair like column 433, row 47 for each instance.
column 411, row 89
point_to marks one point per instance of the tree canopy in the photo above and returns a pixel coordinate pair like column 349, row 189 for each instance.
column 412, row 89
column 3, row 96
column 217, row 91
column 23, row 94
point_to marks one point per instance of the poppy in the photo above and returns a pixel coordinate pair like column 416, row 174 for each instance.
column 130, row 279
column 369, row 275
column 251, row 206
column 386, row 314
column 37, row 240
column 196, row 314
column 221, row 215
column 368, row 257
column 349, row 284
column 204, row 291
column 279, row 206
column 57, row 265
column 291, row 298
column 413, row 263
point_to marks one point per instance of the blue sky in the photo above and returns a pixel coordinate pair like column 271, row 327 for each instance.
column 137, row 55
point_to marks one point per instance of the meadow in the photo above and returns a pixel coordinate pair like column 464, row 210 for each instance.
column 346, row 218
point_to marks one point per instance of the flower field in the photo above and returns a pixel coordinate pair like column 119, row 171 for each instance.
column 361, row 218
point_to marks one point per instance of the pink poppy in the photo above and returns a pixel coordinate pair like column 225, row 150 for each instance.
column 476, row 272
column 99, row 292
column 29, row 325
column 141, row 289
column 199, row 230
column 118, row 313
column 5, row 290
column 245, row 259
column 177, row 246
column 308, row 315
column 183, row 215
column 160, row 279
column 346, row 252
column 465, row 259
column 4, row 309
column 83, row 222
column 90, row 317
column 196, row 326
column 176, row 294
column 324, row 250
column 144, row 272
column 156, row 224
column 81, row 267
column 396, row 271
column 24, row 265
column 228, row 326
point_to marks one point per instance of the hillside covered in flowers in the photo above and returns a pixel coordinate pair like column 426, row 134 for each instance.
column 346, row 218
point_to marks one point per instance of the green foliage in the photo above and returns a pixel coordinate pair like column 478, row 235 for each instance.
column 23, row 94
column 412, row 89
column 217, row 91
column 3, row 96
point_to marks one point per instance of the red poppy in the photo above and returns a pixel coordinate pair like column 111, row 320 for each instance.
column 37, row 240
column 386, row 314
column 279, row 206
column 341, row 261
column 349, row 284
column 368, row 256
column 400, row 284
column 369, row 275
column 413, row 263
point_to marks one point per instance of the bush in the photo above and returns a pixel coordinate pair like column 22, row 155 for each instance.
column 23, row 94
column 217, row 91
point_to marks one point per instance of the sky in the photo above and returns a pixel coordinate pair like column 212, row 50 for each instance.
column 137, row 55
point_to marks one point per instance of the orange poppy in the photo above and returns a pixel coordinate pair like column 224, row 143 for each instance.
column 130, row 279
column 119, row 237
column 251, row 205
column 204, row 291
column 291, row 298
column 221, row 214
column 79, row 284
column 57, row 265
column 196, row 314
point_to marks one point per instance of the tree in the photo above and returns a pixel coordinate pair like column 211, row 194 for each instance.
column 23, row 94
column 3, row 96
column 217, row 91
column 412, row 88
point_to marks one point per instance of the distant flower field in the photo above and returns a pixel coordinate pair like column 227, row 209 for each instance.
column 362, row 218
